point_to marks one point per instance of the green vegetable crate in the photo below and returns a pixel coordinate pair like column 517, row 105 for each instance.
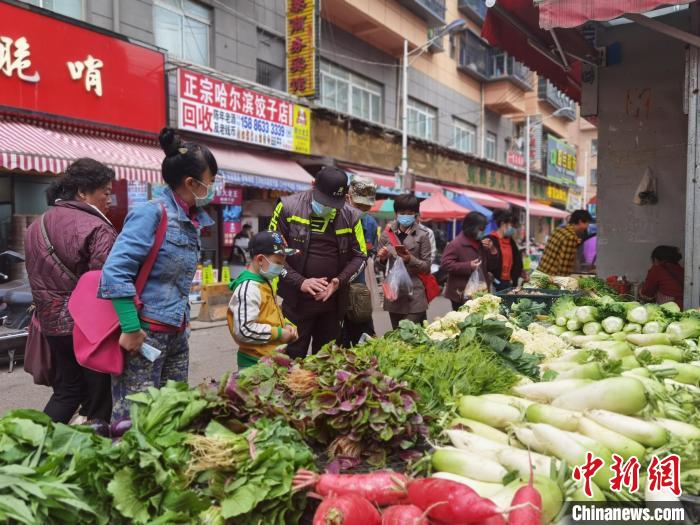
column 538, row 295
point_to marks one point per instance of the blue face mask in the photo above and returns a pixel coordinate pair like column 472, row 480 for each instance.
column 406, row 220
column 480, row 235
column 273, row 270
column 510, row 231
column 320, row 210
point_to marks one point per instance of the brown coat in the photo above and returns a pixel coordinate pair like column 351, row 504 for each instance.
column 419, row 246
column 82, row 239
column 456, row 262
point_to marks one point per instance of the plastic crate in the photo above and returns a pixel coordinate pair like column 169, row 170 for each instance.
column 538, row 295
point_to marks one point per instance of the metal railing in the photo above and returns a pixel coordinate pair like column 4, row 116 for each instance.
column 434, row 9
column 474, row 9
column 549, row 93
column 504, row 66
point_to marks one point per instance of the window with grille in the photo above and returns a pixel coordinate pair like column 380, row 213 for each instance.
column 270, row 75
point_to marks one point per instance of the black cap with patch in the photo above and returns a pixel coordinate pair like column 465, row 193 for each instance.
column 268, row 243
column 331, row 187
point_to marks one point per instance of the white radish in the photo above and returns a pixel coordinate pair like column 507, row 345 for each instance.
column 624, row 395
column 482, row 488
column 548, row 391
column 644, row 432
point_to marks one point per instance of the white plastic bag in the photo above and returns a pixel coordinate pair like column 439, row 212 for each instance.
column 476, row 284
column 398, row 282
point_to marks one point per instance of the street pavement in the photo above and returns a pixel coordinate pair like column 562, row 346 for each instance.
column 212, row 353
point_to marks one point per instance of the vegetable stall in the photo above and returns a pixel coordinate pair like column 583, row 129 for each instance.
column 485, row 415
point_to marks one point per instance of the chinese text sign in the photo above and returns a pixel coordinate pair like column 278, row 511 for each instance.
column 302, row 74
column 55, row 67
column 222, row 109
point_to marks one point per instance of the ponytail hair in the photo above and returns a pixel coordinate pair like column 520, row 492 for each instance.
column 84, row 175
column 184, row 159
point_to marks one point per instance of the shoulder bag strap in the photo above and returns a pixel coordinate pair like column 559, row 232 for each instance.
column 145, row 270
column 392, row 237
column 52, row 251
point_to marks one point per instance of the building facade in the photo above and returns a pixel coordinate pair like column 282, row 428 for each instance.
column 467, row 102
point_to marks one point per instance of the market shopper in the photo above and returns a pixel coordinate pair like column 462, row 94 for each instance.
column 504, row 261
column 560, row 253
column 665, row 278
column 189, row 169
column 81, row 237
column 464, row 255
column 332, row 252
column 362, row 194
column 405, row 238
column 254, row 317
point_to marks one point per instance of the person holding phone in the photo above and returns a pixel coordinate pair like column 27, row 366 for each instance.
column 464, row 255
column 404, row 238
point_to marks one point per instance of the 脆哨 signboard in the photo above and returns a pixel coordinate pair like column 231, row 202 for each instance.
column 223, row 109
column 58, row 68
column 561, row 161
column 302, row 67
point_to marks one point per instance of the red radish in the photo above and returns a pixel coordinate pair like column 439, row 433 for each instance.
column 498, row 519
column 450, row 502
column 404, row 515
column 526, row 505
column 381, row 488
column 348, row 509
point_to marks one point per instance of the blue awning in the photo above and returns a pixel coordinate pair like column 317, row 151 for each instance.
column 237, row 178
column 468, row 203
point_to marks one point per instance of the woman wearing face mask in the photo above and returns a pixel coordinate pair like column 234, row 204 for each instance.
column 464, row 255
column 504, row 261
column 82, row 237
column 189, row 169
column 405, row 238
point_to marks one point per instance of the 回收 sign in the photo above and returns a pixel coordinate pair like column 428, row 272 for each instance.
column 223, row 109
column 302, row 66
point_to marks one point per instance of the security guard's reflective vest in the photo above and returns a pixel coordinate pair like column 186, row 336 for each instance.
column 292, row 218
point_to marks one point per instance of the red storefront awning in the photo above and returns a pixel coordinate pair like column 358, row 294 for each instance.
column 573, row 13
column 29, row 147
column 513, row 25
column 537, row 209
column 440, row 208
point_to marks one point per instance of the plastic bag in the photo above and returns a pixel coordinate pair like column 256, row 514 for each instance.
column 476, row 284
column 398, row 282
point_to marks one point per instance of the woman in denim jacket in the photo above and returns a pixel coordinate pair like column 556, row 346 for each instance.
column 189, row 169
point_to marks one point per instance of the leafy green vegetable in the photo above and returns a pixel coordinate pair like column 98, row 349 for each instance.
column 525, row 311
column 336, row 398
column 440, row 372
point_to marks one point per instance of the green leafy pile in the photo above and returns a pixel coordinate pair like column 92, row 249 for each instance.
column 59, row 474
column 42, row 467
column 439, row 372
column 336, row 399
column 525, row 311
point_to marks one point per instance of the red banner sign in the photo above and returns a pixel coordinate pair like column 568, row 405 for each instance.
column 515, row 158
column 58, row 68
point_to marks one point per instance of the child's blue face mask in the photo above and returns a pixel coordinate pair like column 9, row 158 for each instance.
column 273, row 270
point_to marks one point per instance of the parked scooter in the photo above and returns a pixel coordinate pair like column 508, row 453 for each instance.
column 15, row 314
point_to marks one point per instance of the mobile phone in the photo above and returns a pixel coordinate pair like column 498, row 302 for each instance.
column 400, row 248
